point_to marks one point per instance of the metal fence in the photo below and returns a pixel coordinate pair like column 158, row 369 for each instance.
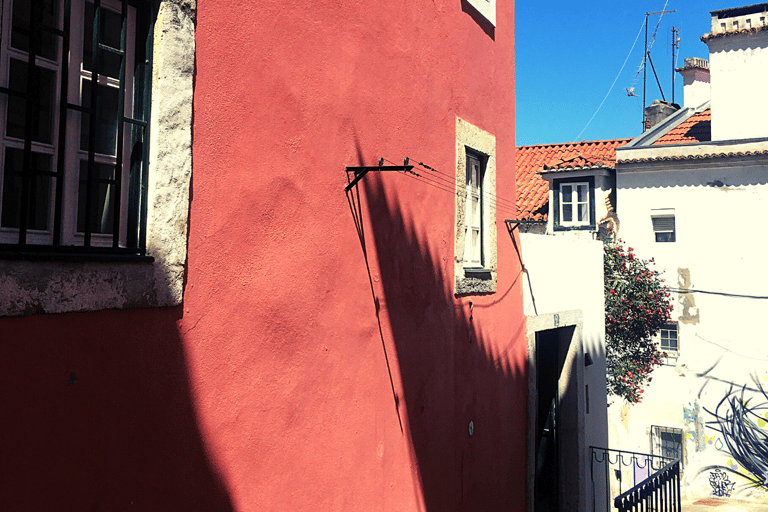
column 659, row 492
column 615, row 472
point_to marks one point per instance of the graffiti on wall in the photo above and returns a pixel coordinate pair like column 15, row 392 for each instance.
column 721, row 484
column 740, row 419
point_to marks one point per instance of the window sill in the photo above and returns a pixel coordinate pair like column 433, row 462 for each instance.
column 72, row 253
column 585, row 227
column 478, row 273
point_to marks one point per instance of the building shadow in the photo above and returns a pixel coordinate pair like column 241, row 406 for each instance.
column 460, row 392
column 97, row 414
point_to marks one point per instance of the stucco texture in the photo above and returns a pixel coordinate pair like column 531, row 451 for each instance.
column 320, row 359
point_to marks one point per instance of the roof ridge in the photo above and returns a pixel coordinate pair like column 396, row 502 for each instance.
column 583, row 142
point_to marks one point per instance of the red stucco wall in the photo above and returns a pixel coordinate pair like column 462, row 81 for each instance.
column 298, row 376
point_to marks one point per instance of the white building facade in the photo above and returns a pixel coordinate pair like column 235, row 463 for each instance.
column 698, row 207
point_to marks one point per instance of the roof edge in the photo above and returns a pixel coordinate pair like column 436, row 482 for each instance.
column 648, row 137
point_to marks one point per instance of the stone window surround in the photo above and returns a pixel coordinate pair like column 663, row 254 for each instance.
column 485, row 7
column 39, row 287
column 479, row 141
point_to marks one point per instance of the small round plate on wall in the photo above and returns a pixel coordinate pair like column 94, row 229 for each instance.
column 471, row 428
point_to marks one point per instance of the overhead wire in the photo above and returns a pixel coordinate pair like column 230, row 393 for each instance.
column 614, row 82
column 447, row 183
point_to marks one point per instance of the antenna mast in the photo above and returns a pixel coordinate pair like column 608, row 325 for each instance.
column 647, row 57
column 675, row 47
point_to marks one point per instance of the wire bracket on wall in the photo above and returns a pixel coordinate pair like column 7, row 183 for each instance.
column 360, row 172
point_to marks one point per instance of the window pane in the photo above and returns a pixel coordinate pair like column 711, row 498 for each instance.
column 106, row 134
column 583, row 212
column 17, row 107
column 20, row 30
column 567, row 213
column 476, row 245
column 475, row 220
column 582, row 192
column 665, row 237
column 40, row 187
column 111, row 25
column 103, row 200
column 567, row 192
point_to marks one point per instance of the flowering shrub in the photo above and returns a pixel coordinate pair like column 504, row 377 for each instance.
column 637, row 306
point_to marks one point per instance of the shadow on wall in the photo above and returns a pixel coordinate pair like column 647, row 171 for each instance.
column 449, row 372
column 97, row 414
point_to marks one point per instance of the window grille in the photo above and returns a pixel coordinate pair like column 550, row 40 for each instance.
column 74, row 91
column 667, row 442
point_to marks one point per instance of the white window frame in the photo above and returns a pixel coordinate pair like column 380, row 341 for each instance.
column 77, row 76
column 473, row 225
column 669, row 328
column 575, row 203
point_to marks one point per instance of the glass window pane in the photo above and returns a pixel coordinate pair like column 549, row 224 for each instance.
column 20, row 29
column 475, row 245
column 475, row 219
column 103, row 200
column 17, row 107
column 40, row 187
column 582, row 192
column 583, row 213
column 111, row 26
column 567, row 213
column 567, row 192
column 106, row 134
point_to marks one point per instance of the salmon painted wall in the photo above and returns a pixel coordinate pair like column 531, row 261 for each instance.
column 313, row 365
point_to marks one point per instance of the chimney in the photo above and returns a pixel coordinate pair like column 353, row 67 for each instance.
column 696, row 89
column 658, row 111
column 738, row 62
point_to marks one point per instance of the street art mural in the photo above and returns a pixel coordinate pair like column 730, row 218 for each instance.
column 740, row 419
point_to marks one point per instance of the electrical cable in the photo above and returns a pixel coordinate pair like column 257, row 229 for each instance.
column 614, row 82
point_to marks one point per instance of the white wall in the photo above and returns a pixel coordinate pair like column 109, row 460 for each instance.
column 720, row 210
column 563, row 274
column 739, row 73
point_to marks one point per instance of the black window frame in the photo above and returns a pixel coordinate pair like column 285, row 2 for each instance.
column 134, row 224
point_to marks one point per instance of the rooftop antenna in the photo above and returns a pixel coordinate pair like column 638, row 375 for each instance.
column 647, row 57
column 675, row 48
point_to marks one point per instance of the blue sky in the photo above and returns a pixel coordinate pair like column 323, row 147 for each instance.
column 567, row 55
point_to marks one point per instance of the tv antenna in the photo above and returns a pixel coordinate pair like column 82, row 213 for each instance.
column 647, row 60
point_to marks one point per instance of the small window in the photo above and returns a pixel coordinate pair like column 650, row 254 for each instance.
column 473, row 228
column 668, row 340
column 664, row 228
column 574, row 204
column 667, row 442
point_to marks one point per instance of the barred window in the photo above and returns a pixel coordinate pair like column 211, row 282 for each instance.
column 74, row 101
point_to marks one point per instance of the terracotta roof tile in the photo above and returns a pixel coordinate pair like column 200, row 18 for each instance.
column 533, row 190
column 696, row 128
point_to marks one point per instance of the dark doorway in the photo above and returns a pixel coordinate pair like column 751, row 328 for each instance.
column 551, row 350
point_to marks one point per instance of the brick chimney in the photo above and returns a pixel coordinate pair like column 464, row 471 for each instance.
column 658, row 111
column 696, row 89
column 738, row 62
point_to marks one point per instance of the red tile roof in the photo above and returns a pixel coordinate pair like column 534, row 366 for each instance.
column 533, row 190
column 696, row 128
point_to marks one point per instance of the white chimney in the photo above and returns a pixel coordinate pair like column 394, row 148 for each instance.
column 696, row 87
column 738, row 63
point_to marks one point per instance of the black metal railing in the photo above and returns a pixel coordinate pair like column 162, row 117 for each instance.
column 615, row 472
column 660, row 492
